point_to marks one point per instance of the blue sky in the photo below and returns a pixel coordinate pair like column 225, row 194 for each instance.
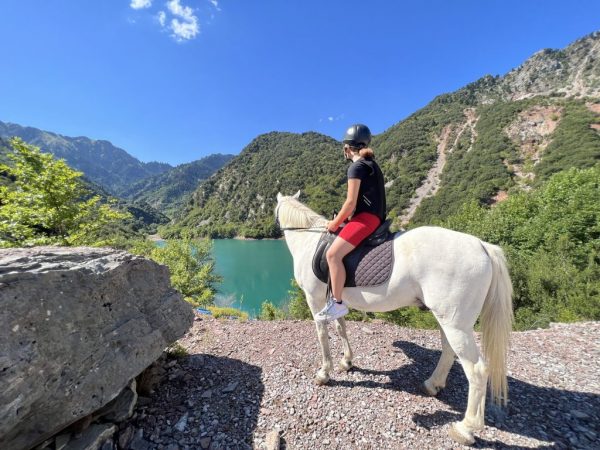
column 176, row 80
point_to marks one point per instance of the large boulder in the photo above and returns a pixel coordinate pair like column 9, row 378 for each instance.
column 76, row 325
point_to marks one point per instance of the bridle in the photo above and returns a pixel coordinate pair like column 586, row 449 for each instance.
column 313, row 228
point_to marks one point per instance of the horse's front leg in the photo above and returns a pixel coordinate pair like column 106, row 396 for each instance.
column 322, row 376
column 346, row 361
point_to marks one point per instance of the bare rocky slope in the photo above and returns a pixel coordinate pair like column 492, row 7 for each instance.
column 242, row 380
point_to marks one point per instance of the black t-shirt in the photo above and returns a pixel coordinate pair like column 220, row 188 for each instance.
column 371, row 194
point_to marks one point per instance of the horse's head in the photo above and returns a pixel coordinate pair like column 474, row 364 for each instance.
column 281, row 197
column 290, row 213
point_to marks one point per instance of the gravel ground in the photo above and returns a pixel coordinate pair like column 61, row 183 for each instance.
column 243, row 380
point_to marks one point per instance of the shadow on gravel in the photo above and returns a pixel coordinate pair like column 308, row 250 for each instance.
column 568, row 419
column 204, row 401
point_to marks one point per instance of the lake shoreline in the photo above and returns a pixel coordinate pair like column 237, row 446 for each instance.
column 157, row 238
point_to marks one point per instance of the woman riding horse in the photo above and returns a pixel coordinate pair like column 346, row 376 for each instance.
column 457, row 276
column 365, row 202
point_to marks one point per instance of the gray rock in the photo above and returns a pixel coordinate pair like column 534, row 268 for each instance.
column 120, row 408
column 62, row 440
column 76, row 325
column 125, row 437
column 108, row 445
column 230, row 387
column 45, row 445
column 579, row 414
column 138, row 442
column 207, row 394
column 92, row 438
column 182, row 423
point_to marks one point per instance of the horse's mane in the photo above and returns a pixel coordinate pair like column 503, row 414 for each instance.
column 292, row 213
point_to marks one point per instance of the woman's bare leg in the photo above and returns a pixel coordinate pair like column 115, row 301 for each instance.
column 337, row 272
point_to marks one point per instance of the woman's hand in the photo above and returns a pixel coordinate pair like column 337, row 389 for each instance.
column 331, row 226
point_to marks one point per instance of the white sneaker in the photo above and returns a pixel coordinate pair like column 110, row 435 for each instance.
column 333, row 310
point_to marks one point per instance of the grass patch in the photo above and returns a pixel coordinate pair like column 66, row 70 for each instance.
column 176, row 350
column 227, row 313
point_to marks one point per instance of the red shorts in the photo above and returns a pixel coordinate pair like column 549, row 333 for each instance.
column 359, row 228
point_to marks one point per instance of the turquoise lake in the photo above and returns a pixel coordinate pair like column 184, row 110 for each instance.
column 253, row 271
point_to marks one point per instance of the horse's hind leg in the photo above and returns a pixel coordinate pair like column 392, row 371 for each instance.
column 437, row 381
column 463, row 343
column 346, row 361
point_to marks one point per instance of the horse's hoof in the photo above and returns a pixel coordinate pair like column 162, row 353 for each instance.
column 429, row 389
column 459, row 434
column 345, row 365
column 321, row 379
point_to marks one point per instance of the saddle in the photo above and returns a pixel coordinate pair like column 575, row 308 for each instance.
column 369, row 264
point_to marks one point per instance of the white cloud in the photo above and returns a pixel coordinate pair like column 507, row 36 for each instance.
column 184, row 25
column 162, row 18
column 177, row 19
column 332, row 118
column 140, row 4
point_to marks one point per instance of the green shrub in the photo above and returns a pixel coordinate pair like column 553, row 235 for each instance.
column 297, row 306
column 269, row 311
column 190, row 264
column 410, row 317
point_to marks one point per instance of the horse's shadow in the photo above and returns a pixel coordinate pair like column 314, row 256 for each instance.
column 569, row 419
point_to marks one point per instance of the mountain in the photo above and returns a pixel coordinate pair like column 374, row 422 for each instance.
column 239, row 198
column 167, row 192
column 102, row 162
column 145, row 218
column 482, row 142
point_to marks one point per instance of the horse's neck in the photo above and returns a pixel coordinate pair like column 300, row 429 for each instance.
column 301, row 241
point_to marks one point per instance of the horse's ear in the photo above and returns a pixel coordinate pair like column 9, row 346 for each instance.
column 296, row 195
column 279, row 197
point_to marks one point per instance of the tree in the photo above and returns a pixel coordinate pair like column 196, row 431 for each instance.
column 192, row 268
column 551, row 237
column 46, row 202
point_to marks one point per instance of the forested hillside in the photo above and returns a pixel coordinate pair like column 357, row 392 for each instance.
column 485, row 142
column 239, row 199
column 167, row 192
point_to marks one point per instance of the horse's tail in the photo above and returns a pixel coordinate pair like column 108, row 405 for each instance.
column 496, row 323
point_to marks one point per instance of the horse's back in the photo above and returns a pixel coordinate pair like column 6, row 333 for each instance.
column 440, row 252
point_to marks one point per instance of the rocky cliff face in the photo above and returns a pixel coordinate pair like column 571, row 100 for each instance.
column 571, row 72
column 76, row 325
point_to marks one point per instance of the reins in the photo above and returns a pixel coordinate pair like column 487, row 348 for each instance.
column 320, row 228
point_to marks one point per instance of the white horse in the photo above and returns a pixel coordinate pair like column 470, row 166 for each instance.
column 455, row 275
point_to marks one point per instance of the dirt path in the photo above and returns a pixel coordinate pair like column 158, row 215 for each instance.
column 432, row 182
column 243, row 380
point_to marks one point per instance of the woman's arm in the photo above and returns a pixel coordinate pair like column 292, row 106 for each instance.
column 349, row 205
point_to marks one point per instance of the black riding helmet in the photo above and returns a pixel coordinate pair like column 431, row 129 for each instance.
column 358, row 136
